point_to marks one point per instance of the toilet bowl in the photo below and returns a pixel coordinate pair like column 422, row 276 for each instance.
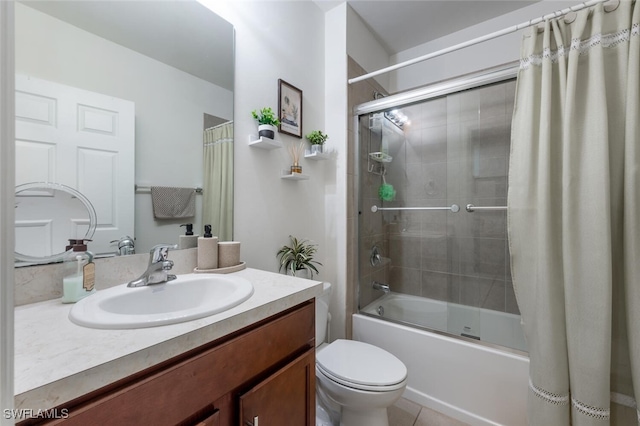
column 355, row 381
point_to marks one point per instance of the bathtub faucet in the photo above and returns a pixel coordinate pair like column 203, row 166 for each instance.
column 380, row 286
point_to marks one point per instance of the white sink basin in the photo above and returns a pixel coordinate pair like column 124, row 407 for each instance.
column 186, row 298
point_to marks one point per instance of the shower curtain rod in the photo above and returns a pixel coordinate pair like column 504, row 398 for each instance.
column 496, row 34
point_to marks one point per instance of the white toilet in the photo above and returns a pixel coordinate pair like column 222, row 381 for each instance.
column 360, row 380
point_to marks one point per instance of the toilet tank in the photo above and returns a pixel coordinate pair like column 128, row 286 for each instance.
column 322, row 313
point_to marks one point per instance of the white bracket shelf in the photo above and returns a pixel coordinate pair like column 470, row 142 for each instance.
column 261, row 142
column 380, row 157
column 316, row 156
column 286, row 174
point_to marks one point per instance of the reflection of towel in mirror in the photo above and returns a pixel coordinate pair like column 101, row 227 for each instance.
column 173, row 203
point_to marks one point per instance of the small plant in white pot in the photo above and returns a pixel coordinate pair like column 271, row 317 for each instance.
column 268, row 122
column 317, row 140
column 298, row 258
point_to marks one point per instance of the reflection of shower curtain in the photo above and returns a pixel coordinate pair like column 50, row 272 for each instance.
column 217, row 202
column 574, row 215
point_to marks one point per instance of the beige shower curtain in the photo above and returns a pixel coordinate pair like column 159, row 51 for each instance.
column 217, row 202
column 574, row 216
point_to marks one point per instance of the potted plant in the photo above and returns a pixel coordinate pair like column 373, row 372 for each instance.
column 298, row 257
column 268, row 122
column 317, row 140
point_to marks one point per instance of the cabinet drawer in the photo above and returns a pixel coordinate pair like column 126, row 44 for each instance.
column 172, row 395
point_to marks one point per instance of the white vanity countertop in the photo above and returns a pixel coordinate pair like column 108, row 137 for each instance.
column 56, row 360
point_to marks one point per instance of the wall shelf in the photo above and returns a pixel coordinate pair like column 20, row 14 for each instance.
column 316, row 156
column 380, row 157
column 261, row 142
column 286, row 174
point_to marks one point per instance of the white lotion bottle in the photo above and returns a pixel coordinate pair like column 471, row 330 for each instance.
column 207, row 250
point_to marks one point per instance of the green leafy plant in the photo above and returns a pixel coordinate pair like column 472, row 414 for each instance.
column 298, row 256
column 316, row 137
column 266, row 116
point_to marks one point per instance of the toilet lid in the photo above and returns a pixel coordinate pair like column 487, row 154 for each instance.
column 361, row 363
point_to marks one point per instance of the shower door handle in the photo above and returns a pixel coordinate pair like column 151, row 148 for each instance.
column 453, row 208
column 471, row 208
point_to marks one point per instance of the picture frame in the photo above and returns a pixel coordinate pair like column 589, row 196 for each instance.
column 289, row 109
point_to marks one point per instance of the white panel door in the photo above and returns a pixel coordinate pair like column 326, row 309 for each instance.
column 81, row 139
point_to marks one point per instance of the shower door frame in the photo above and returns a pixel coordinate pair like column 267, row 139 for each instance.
column 457, row 84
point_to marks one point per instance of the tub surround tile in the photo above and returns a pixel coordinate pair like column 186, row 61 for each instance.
column 492, row 100
column 405, row 280
column 56, row 360
column 469, row 105
column 493, row 295
column 436, row 285
column 510, row 299
column 404, row 250
column 434, row 145
column 435, row 253
column 482, row 257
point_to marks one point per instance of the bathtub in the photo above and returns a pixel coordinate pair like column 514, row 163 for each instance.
column 473, row 382
column 498, row 328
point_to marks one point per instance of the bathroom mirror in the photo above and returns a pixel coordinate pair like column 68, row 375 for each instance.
column 46, row 214
column 167, row 66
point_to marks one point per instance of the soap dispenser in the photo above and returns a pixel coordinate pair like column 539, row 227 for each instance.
column 207, row 250
column 79, row 272
column 188, row 240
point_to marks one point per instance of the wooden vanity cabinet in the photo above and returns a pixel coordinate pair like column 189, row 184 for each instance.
column 264, row 372
column 293, row 383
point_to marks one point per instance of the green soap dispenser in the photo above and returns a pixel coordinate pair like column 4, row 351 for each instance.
column 79, row 272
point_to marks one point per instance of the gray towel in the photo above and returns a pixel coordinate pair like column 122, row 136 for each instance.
column 173, row 203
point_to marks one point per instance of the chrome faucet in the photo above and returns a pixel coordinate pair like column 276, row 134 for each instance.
column 156, row 272
column 126, row 246
column 380, row 286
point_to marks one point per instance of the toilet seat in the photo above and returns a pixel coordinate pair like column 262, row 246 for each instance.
column 361, row 366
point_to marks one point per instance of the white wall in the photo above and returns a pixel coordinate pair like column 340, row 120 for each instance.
column 475, row 58
column 283, row 40
column 169, row 105
column 364, row 47
column 336, row 190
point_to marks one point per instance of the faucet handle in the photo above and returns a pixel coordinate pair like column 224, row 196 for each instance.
column 160, row 252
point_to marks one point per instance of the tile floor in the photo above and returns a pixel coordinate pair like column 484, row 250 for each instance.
column 408, row 413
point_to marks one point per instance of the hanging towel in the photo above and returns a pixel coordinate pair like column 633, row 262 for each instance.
column 173, row 203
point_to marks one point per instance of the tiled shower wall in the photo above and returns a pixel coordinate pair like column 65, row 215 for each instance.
column 358, row 93
column 456, row 150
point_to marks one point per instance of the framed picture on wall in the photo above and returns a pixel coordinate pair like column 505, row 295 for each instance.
column 290, row 109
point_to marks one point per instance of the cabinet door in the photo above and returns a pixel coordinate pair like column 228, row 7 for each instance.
column 285, row 398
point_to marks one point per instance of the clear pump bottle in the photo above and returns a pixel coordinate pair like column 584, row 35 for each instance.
column 79, row 272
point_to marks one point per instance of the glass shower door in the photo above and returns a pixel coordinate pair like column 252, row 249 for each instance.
column 446, row 270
